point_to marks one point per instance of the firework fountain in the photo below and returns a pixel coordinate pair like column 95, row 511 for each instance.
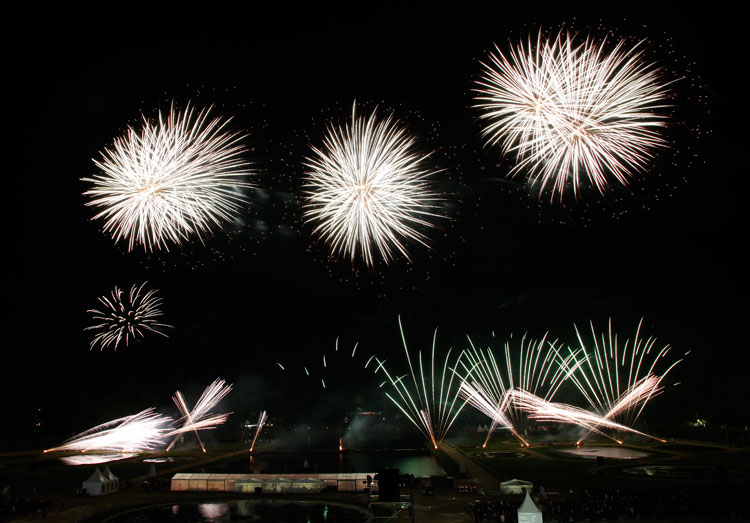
column 141, row 432
column 200, row 418
column 618, row 379
column 486, row 383
column 429, row 402
column 261, row 421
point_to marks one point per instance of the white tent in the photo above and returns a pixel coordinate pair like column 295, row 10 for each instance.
column 528, row 512
column 516, row 486
column 307, row 485
column 277, row 485
column 114, row 481
column 97, row 484
column 248, row 486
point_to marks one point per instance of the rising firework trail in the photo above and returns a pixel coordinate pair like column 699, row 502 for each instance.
column 537, row 368
column 261, row 421
column 367, row 189
column 201, row 418
column 122, row 317
column 170, row 179
column 618, row 379
column 572, row 110
column 430, row 401
column 140, row 432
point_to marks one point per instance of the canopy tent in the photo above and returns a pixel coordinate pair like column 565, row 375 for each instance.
column 114, row 480
column 516, row 486
column 98, row 484
column 528, row 512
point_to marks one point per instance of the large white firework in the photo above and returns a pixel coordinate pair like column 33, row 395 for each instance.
column 170, row 179
column 123, row 317
column 572, row 110
column 368, row 185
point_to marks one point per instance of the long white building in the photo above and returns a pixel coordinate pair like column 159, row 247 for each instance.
column 273, row 483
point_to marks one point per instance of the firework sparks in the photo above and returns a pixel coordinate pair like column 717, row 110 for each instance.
column 200, row 418
column 543, row 410
column 170, row 179
column 140, row 432
column 572, row 110
column 261, row 421
column 431, row 406
column 125, row 316
column 487, row 382
column 368, row 185
column 618, row 379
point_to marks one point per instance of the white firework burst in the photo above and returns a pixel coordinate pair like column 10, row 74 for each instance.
column 573, row 110
column 170, row 179
column 368, row 186
column 123, row 317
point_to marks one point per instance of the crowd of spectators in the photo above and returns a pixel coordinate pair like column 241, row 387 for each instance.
column 24, row 508
column 629, row 504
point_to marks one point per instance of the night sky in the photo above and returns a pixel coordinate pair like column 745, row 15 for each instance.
column 668, row 248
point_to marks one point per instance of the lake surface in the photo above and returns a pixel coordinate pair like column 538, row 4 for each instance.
column 604, row 452
column 260, row 511
column 417, row 462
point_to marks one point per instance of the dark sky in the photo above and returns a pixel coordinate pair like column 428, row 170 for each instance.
column 667, row 249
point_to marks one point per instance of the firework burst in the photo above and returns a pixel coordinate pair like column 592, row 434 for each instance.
column 429, row 401
column 368, row 186
column 123, row 317
column 573, row 110
column 169, row 180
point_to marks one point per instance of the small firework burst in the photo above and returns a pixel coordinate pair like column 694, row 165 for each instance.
column 368, row 186
column 169, row 180
column 123, row 317
column 572, row 110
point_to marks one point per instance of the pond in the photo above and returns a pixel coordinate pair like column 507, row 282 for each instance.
column 257, row 511
column 604, row 452
column 420, row 463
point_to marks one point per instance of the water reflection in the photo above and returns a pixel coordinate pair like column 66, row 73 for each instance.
column 604, row 452
column 419, row 463
column 266, row 511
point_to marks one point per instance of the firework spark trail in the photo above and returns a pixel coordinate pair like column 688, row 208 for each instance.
column 140, row 432
column 618, row 380
column 123, row 317
column 539, row 370
column 171, row 179
column 433, row 412
column 478, row 398
column 200, row 417
column 543, row 410
column 571, row 110
column 369, row 185
column 261, row 421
